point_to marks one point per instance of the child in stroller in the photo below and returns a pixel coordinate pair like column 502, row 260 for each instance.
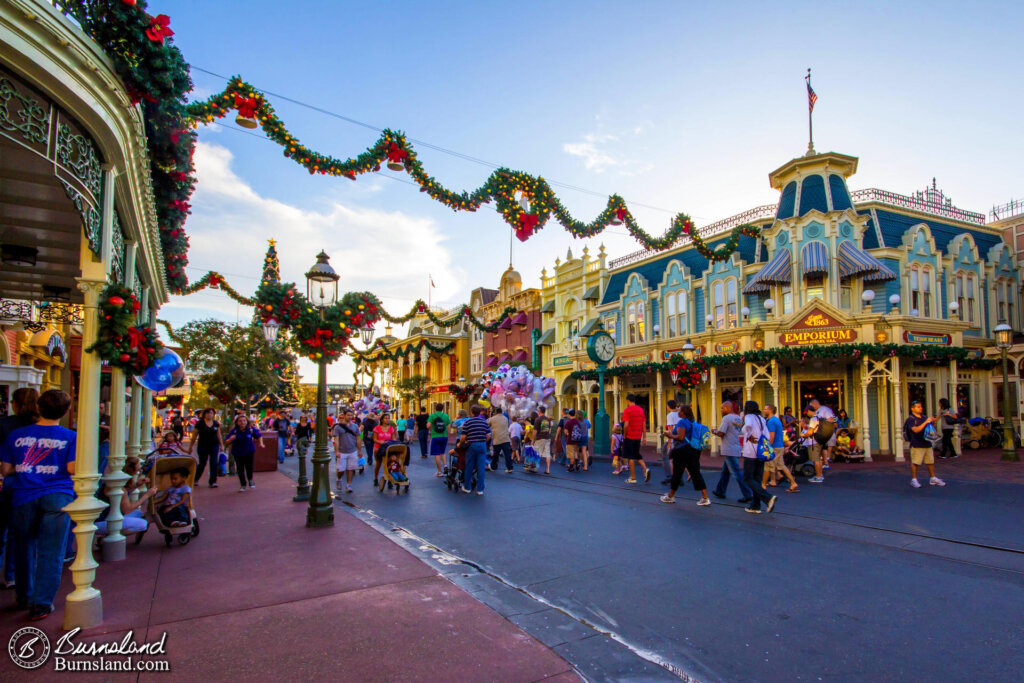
column 174, row 501
column 173, row 478
column 454, row 471
column 797, row 454
column 394, row 455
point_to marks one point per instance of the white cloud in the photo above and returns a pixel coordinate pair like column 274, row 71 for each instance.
column 595, row 150
column 386, row 252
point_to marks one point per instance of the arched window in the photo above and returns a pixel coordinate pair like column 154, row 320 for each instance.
column 682, row 299
column 970, row 298
column 631, row 323
column 670, row 314
column 640, row 317
column 718, row 302
column 921, row 290
column 731, row 294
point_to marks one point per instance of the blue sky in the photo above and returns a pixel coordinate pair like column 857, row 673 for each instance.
column 675, row 105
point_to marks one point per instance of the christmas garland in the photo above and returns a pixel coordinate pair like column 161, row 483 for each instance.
column 463, row 394
column 915, row 352
column 156, row 75
column 420, row 308
column 215, row 280
column 524, row 201
column 381, row 352
column 171, row 334
column 690, row 374
column 119, row 341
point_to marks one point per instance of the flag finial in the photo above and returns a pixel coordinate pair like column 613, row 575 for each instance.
column 811, row 99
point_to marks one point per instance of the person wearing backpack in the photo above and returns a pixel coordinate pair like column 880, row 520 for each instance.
column 757, row 450
column 573, row 430
column 822, row 429
column 438, row 422
column 689, row 438
column 915, row 430
column 501, row 440
column 777, row 466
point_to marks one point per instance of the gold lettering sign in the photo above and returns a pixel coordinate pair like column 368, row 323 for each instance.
column 828, row 336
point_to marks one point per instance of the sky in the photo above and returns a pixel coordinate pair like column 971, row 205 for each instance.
column 677, row 106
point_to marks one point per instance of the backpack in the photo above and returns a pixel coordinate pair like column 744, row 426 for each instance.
column 577, row 433
column 764, row 452
column 825, row 431
column 699, row 436
column 438, row 425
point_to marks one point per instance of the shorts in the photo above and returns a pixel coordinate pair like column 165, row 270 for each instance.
column 543, row 448
column 348, row 461
column 572, row 451
column 631, row 449
column 816, row 451
column 779, row 461
column 922, row 456
column 516, row 443
column 438, row 445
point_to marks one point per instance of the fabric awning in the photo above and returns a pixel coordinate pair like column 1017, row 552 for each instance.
column 814, row 258
column 521, row 356
column 492, row 362
column 855, row 261
column 505, row 355
column 547, row 339
column 778, row 271
column 592, row 326
column 592, row 293
column 506, row 324
column 520, row 318
column 549, row 307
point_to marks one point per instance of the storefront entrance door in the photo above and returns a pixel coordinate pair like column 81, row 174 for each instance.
column 829, row 392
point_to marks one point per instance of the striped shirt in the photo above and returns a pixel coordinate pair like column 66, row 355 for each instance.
column 476, row 430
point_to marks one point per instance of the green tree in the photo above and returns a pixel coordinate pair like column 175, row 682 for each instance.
column 244, row 365
column 413, row 389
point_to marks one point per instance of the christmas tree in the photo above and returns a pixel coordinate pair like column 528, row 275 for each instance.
column 286, row 394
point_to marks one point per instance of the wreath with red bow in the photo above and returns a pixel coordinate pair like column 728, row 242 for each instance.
column 119, row 341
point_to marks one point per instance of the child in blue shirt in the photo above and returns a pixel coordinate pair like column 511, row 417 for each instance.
column 173, row 503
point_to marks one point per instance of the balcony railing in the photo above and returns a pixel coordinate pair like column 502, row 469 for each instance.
column 1007, row 210
column 902, row 201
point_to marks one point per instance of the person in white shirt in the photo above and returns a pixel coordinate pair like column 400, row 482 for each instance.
column 670, row 422
column 819, row 452
column 515, row 433
column 753, row 469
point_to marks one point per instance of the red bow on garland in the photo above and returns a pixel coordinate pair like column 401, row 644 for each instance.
column 317, row 340
column 181, row 205
column 396, row 153
column 527, row 222
column 620, row 213
column 159, row 28
column 136, row 340
column 247, row 106
column 687, row 227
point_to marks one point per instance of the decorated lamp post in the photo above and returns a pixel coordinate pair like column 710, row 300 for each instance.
column 322, row 292
column 1004, row 338
column 601, row 349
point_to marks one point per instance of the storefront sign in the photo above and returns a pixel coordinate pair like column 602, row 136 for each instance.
column 818, row 327
column 633, row 360
column 727, row 347
column 55, row 347
column 697, row 351
column 561, row 360
column 922, row 338
column 588, row 365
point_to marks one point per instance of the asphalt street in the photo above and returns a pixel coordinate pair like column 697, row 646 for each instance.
column 862, row 578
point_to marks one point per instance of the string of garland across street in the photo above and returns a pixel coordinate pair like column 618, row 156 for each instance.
column 688, row 372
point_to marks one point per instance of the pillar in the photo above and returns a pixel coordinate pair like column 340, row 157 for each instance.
column 897, row 390
column 953, row 372
column 713, row 408
column 775, row 385
column 84, row 605
column 659, row 408
column 615, row 400
column 865, row 382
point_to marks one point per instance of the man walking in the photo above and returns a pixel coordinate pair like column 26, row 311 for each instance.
column 500, row 440
column 561, row 439
column 822, row 422
column 729, row 432
column 475, row 434
column 778, row 464
column 670, row 422
column 634, row 422
column 921, row 452
column 948, row 421
column 542, row 437
column 283, row 427
column 422, row 430
column 438, row 422
column 346, row 449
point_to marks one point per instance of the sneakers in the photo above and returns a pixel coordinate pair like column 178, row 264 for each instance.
column 252, row 485
column 348, row 489
column 935, row 481
column 666, row 481
column 37, row 612
column 915, row 483
column 242, row 490
column 825, row 466
column 745, row 499
column 647, row 475
column 716, row 494
column 816, row 480
column 628, row 481
column 704, row 501
column 464, row 489
column 508, row 471
column 753, row 511
column 213, row 485
column 668, row 499
column 771, row 503
column 479, row 493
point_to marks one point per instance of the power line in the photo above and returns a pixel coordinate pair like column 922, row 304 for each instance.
column 422, row 143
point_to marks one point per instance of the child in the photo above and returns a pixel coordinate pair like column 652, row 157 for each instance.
column 617, row 461
column 843, row 445
column 242, row 439
column 173, row 503
column 168, row 446
column 395, row 469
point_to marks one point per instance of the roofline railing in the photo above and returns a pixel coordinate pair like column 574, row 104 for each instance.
column 873, row 194
column 1007, row 210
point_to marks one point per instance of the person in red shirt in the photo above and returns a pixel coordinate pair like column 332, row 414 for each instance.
column 633, row 425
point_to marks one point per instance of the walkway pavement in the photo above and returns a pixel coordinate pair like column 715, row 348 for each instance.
column 259, row 597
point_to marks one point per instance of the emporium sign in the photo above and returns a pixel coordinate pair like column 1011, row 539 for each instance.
column 817, row 328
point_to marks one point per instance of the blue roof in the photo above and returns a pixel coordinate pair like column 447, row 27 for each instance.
column 787, row 201
column 895, row 225
column 654, row 270
column 812, row 195
column 840, row 196
column 870, row 234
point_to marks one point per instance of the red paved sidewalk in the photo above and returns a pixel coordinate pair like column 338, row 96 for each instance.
column 259, row 597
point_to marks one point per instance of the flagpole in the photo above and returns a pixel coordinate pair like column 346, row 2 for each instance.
column 430, row 281
column 810, row 113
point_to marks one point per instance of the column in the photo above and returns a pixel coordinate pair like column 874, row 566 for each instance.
column 748, row 387
column 659, row 408
column 953, row 372
column 615, row 400
column 775, row 385
column 713, row 408
column 865, row 422
column 897, row 390
column 114, row 478
column 84, row 605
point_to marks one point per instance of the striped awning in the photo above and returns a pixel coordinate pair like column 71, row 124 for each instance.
column 855, row 261
column 778, row 271
column 814, row 258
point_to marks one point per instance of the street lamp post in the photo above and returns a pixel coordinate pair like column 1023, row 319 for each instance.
column 322, row 290
column 1004, row 338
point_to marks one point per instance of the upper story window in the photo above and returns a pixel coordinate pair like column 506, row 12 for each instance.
column 921, row 290
column 815, row 286
column 1005, row 296
column 724, row 303
column 675, row 313
column 965, row 289
column 635, row 314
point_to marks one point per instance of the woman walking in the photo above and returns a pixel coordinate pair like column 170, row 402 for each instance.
column 685, row 456
column 584, row 443
column 206, row 439
column 383, row 434
column 754, row 427
column 303, row 436
column 242, row 439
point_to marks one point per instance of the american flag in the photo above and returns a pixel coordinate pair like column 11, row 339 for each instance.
column 811, row 97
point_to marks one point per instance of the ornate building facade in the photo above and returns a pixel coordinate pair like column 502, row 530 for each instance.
column 515, row 339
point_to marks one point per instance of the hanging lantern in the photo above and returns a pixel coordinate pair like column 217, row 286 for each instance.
column 246, row 121
column 674, row 375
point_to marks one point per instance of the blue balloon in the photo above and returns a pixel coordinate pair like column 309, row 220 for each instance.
column 167, row 371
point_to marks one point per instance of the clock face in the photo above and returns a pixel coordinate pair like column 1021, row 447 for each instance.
column 604, row 348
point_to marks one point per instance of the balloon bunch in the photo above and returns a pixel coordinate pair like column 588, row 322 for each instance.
column 370, row 403
column 516, row 390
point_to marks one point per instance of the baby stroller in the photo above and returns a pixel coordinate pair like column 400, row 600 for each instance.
column 455, row 470
column 797, row 457
column 161, row 478
column 531, row 461
column 978, row 433
column 401, row 451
